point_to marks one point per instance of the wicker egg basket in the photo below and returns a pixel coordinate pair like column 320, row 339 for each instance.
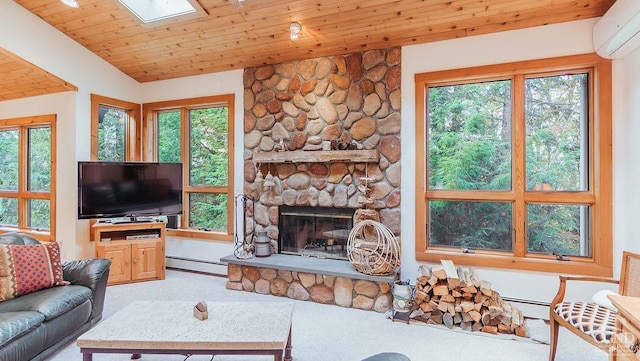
column 373, row 249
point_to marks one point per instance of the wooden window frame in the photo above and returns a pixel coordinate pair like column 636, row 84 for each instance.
column 150, row 147
column 133, row 128
column 23, row 195
column 600, row 170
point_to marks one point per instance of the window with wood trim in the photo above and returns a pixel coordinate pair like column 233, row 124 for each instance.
column 115, row 134
column 514, row 165
column 27, row 176
column 199, row 134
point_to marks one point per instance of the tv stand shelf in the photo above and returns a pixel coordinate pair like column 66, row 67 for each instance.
column 136, row 250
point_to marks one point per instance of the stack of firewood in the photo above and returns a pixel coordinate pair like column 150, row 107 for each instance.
column 449, row 295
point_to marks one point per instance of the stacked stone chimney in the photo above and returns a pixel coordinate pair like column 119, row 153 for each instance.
column 304, row 106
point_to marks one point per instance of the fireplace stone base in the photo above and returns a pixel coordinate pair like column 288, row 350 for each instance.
column 310, row 279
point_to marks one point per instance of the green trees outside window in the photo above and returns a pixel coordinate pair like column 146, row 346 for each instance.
column 514, row 165
column 470, row 148
column 26, row 173
column 202, row 132
column 112, row 123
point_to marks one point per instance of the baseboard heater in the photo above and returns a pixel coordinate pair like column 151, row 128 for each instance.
column 195, row 260
column 527, row 302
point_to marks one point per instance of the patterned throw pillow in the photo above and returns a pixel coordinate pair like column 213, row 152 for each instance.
column 29, row 268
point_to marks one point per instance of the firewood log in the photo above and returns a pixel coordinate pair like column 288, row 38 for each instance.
column 474, row 277
column 422, row 281
column 436, row 316
column 424, row 271
column 448, row 298
column 451, row 308
column 466, row 306
column 466, row 317
column 447, row 319
column 449, row 268
column 475, row 316
column 487, row 320
column 521, row 331
column 439, row 272
column 504, row 329
column 452, row 275
column 490, row 329
column 480, row 298
column 441, row 290
column 433, row 280
column 517, row 318
column 466, row 325
column 426, row 307
column 485, row 288
column 420, row 296
column 457, row 318
column 443, row 306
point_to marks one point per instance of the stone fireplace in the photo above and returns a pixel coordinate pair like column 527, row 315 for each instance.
column 323, row 134
column 319, row 129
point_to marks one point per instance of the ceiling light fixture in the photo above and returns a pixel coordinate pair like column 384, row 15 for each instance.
column 71, row 3
column 294, row 31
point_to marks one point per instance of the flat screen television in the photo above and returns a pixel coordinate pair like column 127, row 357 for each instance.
column 129, row 189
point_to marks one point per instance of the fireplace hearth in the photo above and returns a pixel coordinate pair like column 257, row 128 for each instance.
column 314, row 231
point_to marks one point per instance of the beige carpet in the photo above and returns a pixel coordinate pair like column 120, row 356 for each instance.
column 332, row 333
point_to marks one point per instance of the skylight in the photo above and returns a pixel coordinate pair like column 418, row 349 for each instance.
column 151, row 11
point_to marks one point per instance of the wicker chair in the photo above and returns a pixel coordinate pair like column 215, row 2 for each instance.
column 591, row 322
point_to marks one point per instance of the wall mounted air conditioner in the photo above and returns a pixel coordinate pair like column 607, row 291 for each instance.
column 617, row 33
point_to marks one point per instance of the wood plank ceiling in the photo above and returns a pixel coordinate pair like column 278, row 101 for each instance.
column 236, row 34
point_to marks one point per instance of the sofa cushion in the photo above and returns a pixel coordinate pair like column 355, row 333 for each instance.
column 29, row 268
column 50, row 302
column 15, row 324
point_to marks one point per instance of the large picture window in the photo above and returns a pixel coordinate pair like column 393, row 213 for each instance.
column 27, row 180
column 514, row 164
column 198, row 133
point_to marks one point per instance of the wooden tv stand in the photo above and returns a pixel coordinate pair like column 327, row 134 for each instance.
column 136, row 250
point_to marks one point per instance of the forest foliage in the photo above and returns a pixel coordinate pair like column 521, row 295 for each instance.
column 470, row 148
column 37, row 172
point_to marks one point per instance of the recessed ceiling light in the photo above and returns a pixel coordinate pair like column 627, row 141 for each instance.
column 149, row 11
column 72, row 3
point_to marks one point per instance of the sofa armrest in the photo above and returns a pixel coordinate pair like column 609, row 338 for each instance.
column 91, row 273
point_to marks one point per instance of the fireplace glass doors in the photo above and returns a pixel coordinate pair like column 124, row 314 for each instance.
column 315, row 231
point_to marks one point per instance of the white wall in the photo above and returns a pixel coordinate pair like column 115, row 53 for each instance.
column 626, row 156
column 547, row 41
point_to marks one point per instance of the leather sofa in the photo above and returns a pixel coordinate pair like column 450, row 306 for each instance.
column 33, row 326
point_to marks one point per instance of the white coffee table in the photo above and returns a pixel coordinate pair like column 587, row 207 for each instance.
column 169, row 327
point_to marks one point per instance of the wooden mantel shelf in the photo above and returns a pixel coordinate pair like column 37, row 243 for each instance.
column 317, row 156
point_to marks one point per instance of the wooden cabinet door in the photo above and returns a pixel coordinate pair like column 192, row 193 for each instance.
column 147, row 260
column 120, row 256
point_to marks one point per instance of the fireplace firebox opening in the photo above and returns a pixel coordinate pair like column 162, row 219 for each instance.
column 314, row 231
